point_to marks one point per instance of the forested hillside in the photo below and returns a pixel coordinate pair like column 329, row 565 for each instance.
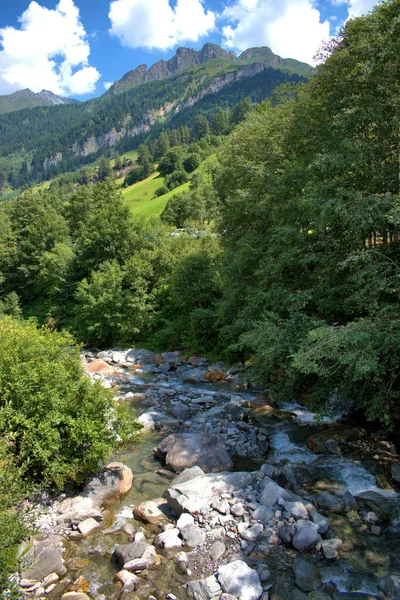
column 37, row 144
column 302, row 278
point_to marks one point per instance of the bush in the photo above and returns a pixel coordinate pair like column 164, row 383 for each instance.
column 176, row 179
column 57, row 424
column 161, row 191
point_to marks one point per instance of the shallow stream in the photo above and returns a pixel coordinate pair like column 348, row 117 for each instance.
column 354, row 575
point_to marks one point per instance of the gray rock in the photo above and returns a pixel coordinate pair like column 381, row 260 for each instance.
column 306, row 536
column 181, row 412
column 306, row 574
column 193, row 536
column 169, row 539
column 238, row 509
column 395, row 471
column 250, row 534
column 77, row 509
column 44, row 558
column 271, row 471
column 184, row 520
column 238, row 579
column 321, row 521
column 389, row 587
column 154, row 419
column 217, row 550
column 203, row 589
column 87, row 526
column 263, row 514
column 113, row 480
column 296, row 509
column 141, row 356
column 193, row 494
column 188, row 475
column 272, row 492
column 350, row 503
column 331, row 548
column 332, row 446
column 286, row 534
column 330, row 502
column 193, row 376
column 126, row 553
column 151, row 511
column 298, row 475
column 183, row 450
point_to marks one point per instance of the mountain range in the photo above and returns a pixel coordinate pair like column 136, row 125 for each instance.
column 62, row 135
column 28, row 99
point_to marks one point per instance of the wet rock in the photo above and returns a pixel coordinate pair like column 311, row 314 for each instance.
column 238, row 579
column 193, row 536
column 193, row 494
column 87, row 526
column 169, row 539
column 389, row 588
column 193, row 376
column 332, row 446
column 330, row 502
column 306, row 574
column 154, row 419
column 181, row 412
column 395, row 471
column 42, row 560
column 272, row 492
column 152, row 511
column 350, row 503
column 128, row 580
column 183, row 450
column 101, row 367
column 141, row 356
column 214, row 375
column 114, row 479
column 203, row 589
column 306, row 536
column 331, row 548
column 340, row 433
column 298, row 475
column 321, row 521
column 126, row 554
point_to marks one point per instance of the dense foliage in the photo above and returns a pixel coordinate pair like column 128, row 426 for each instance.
column 55, row 424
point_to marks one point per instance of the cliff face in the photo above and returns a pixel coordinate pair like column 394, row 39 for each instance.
column 185, row 58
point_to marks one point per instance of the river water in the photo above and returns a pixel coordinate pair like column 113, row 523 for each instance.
column 354, row 575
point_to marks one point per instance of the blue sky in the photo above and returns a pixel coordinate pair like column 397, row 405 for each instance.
column 79, row 47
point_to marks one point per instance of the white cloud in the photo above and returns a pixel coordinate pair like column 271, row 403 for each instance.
column 154, row 24
column 107, row 84
column 360, row 7
column 49, row 51
column 291, row 28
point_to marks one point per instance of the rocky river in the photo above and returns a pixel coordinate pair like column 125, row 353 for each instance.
column 225, row 496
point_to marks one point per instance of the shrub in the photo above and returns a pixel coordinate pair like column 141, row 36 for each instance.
column 161, row 191
column 57, row 424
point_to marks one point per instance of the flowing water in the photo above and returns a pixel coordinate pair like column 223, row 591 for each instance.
column 355, row 575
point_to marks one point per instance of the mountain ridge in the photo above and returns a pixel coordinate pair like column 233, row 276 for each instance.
column 186, row 58
column 27, row 99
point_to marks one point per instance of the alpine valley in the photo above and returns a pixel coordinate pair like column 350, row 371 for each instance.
column 60, row 135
